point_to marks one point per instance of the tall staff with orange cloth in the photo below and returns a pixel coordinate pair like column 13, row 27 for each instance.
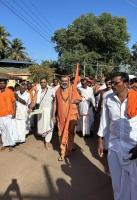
column 65, row 109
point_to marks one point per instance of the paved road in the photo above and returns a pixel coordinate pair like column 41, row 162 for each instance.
column 32, row 173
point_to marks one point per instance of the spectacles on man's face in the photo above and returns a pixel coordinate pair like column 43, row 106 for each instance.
column 115, row 82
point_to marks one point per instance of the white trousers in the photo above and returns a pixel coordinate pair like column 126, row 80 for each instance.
column 124, row 177
column 7, row 130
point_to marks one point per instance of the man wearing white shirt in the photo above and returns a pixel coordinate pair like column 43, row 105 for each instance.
column 45, row 99
column 23, row 101
column 55, row 85
column 122, row 146
column 86, row 106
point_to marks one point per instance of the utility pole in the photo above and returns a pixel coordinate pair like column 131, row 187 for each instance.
column 84, row 72
column 97, row 71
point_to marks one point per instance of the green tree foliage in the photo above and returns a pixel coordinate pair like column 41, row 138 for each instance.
column 43, row 70
column 133, row 59
column 17, row 50
column 11, row 49
column 4, row 43
column 90, row 39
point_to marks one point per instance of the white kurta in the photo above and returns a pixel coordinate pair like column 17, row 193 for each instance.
column 105, row 96
column 45, row 122
column 22, row 116
column 122, row 138
column 86, row 120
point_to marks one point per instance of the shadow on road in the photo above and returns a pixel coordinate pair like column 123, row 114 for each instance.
column 87, row 181
column 91, row 142
column 14, row 189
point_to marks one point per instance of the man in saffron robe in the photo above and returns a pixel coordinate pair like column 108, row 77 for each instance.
column 64, row 98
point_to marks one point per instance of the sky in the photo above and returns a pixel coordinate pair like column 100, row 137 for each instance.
column 47, row 16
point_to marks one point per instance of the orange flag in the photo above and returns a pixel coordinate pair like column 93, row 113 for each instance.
column 64, row 135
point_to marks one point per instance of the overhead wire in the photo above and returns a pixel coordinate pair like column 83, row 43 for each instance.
column 43, row 19
column 31, row 18
column 132, row 3
column 21, row 17
column 34, row 15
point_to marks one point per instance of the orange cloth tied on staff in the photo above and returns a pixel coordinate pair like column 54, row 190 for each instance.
column 67, row 111
column 132, row 103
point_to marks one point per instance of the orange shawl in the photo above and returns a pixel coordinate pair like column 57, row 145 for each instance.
column 132, row 103
column 71, row 110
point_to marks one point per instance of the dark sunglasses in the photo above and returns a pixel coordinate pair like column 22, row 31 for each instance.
column 42, row 82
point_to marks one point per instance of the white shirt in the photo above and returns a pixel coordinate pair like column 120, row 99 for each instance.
column 22, row 110
column 46, row 97
column 87, row 98
column 115, row 122
column 55, row 88
column 102, row 87
column 106, row 95
column 87, row 93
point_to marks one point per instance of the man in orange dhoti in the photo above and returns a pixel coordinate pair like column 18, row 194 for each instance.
column 66, row 97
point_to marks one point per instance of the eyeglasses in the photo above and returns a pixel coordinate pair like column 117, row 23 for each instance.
column 115, row 82
column 42, row 82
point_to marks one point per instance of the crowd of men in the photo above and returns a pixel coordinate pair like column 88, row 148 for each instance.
column 107, row 108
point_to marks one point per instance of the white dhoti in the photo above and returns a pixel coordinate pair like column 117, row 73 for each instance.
column 124, row 176
column 86, row 122
column 22, row 117
column 8, row 131
column 45, row 124
column 22, row 128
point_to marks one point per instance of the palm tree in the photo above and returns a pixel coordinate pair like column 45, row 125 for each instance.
column 4, row 42
column 17, row 51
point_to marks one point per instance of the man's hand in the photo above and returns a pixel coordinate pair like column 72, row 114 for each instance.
column 75, row 101
column 13, row 116
column 100, row 147
column 133, row 151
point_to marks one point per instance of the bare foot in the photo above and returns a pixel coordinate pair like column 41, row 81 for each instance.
column 3, row 148
column 47, row 145
column 10, row 149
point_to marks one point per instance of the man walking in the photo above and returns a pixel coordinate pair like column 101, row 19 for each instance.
column 116, row 120
column 23, row 100
column 7, row 113
column 62, row 103
column 45, row 120
column 86, row 107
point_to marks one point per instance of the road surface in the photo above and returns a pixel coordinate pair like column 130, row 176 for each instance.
column 31, row 172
